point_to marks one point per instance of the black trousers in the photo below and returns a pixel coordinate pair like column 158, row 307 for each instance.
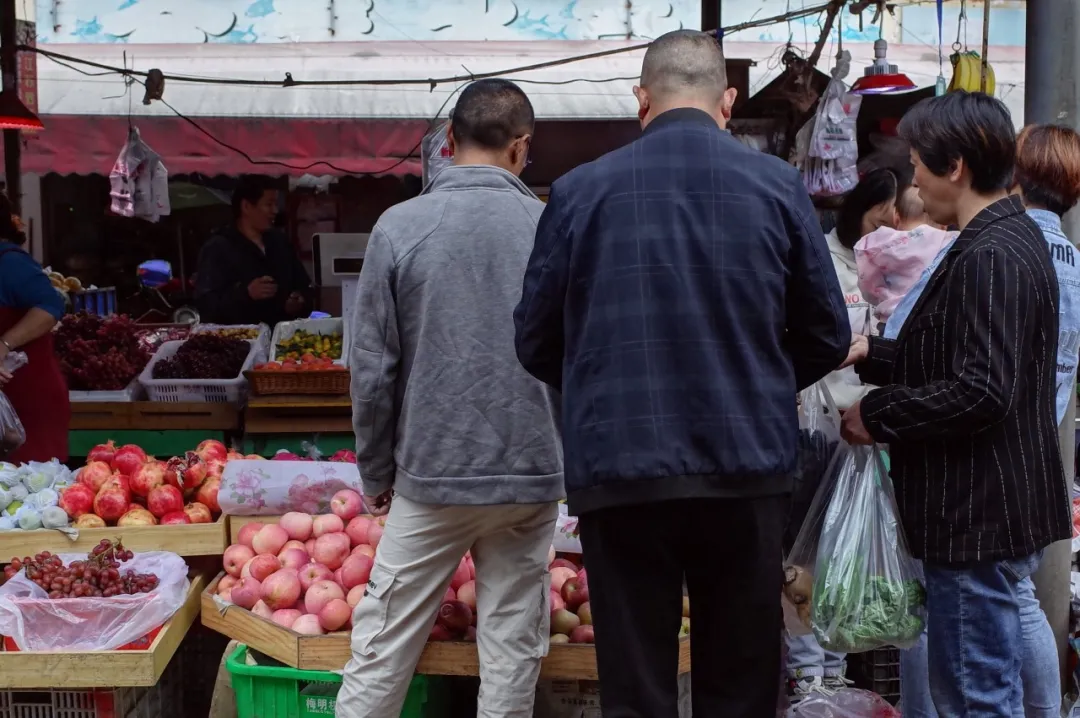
column 729, row 552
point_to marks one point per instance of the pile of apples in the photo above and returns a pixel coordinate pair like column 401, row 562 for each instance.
column 571, row 614
column 125, row 487
column 305, row 573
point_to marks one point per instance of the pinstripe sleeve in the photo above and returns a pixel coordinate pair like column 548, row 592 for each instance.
column 878, row 367
column 991, row 305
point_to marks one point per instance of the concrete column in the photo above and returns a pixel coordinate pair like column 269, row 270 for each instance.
column 1052, row 76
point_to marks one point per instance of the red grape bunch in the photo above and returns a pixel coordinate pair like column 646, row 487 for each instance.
column 205, row 356
column 99, row 576
column 99, row 353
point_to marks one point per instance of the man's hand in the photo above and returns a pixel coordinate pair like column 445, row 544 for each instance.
column 294, row 305
column 857, row 352
column 262, row 288
column 379, row 505
column 852, row 428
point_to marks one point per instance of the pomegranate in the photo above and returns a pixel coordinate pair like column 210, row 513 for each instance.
column 455, row 617
column 165, row 500
column 137, row 517
column 174, row 518
column 284, row 456
column 128, row 459
column 198, row 513
column 212, row 450
column 118, row 481
column 77, row 500
column 111, row 503
column 94, row 474
column 334, row 614
column 174, row 470
column 233, row 455
column 148, row 477
column 89, row 521
column 214, row 468
column 193, row 476
column 208, row 494
column 344, row 456
column 102, row 452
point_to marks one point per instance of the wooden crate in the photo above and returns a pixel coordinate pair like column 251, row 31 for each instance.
column 298, row 414
column 332, row 652
column 182, row 539
column 95, row 669
column 153, row 416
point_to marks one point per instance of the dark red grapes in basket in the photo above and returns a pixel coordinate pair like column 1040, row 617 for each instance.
column 99, row 576
column 205, row 356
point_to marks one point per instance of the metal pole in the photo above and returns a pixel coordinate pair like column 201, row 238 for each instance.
column 1051, row 74
column 710, row 16
column 985, row 45
column 9, row 67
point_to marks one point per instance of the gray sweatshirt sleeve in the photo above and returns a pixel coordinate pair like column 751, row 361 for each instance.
column 374, row 357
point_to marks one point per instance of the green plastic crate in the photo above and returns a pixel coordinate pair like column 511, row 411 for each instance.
column 283, row 692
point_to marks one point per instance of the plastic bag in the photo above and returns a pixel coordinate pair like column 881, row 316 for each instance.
column 37, row 623
column 850, row 572
column 12, row 433
column 566, row 538
column 435, row 152
column 830, row 167
column 848, row 703
column 819, row 437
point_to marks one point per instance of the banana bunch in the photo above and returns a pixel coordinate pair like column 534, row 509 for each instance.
column 967, row 73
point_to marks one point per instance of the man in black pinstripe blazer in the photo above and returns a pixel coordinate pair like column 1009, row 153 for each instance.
column 966, row 406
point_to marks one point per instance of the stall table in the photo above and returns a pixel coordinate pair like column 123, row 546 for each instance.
column 160, row 428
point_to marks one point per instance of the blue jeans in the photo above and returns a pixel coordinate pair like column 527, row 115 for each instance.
column 806, row 658
column 993, row 653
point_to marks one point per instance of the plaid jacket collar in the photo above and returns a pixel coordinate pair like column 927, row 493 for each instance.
column 680, row 114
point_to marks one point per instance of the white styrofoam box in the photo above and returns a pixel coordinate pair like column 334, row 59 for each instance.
column 205, row 391
column 285, row 330
column 129, row 393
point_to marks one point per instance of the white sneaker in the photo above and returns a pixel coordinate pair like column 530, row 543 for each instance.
column 799, row 689
column 837, row 682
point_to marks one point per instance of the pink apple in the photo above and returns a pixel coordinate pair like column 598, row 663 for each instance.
column 467, row 594
column 320, row 594
column 561, row 575
column 327, row 524
column 312, row 574
column 309, row 546
column 461, row 575
column 354, row 595
column 286, row 616
column 235, row 557
column 551, row 555
column 261, row 567
column 247, row 533
column 281, row 589
column 472, row 566
column 261, row 610
column 450, row 595
column 355, row 571
column 270, row 539
column 364, row 550
column 337, row 577
column 358, row 530
column 292, row 543
column 297, row 525
column 295, row 558
column 346, row 504
column 226, row 583
column 331, row 550
column 374, row 534
column 555, row 601
column 246, row 592
column 308, row 625
column 335, row 614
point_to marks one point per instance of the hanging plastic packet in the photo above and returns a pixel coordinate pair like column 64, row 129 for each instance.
column 850, row 575
column 435, row 152
column 12, row 433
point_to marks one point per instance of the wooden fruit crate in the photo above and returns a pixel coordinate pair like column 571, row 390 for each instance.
column 95, row 669
column 331, row 652
column 153, row 416
column 183, row 539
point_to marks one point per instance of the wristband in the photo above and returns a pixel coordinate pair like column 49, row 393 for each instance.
column 8, row 346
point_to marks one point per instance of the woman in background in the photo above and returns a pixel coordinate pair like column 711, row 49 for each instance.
column 1047, row 178
column 29, row 309
column 872, row 204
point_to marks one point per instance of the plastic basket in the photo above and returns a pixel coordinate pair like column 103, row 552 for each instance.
column 129, row 393
column 283, row 692
column 196, row 391
column 100, row 301
column 285, row 330
column 877, row 671
column 263, row 339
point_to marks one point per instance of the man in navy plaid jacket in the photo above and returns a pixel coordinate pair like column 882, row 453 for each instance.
column 679, row 294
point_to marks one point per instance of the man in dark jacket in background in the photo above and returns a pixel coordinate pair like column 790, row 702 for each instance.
column 249, row 272
column 679, row 294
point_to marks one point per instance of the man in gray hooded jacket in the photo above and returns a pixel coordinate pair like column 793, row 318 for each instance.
column 455, row 441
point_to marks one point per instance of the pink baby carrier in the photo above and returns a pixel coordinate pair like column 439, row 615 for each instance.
column 890, row 261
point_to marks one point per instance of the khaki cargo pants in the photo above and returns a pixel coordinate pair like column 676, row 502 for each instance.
column 421, row 547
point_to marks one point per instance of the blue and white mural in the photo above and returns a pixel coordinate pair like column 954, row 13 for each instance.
column 250, row 21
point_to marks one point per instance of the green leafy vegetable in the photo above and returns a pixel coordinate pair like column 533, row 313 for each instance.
column 855, row 612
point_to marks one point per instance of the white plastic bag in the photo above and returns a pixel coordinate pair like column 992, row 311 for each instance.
column 435, row 152
column 566, row 539
column 847, row 703
column 37, row 623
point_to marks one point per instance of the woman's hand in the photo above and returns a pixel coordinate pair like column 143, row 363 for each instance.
column 5, row 375
column 857, row 352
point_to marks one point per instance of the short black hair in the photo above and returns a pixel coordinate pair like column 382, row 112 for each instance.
column 968, row 126
column 491, row 113
column 878, row 186
column 685, row 61
column 250, row 188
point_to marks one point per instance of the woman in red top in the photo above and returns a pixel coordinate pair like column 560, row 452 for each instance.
column 29, row 309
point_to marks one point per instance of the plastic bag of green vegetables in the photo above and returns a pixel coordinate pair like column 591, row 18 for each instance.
column 850, row 575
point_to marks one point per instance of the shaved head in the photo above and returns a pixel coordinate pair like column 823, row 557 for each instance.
column 684, row 63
